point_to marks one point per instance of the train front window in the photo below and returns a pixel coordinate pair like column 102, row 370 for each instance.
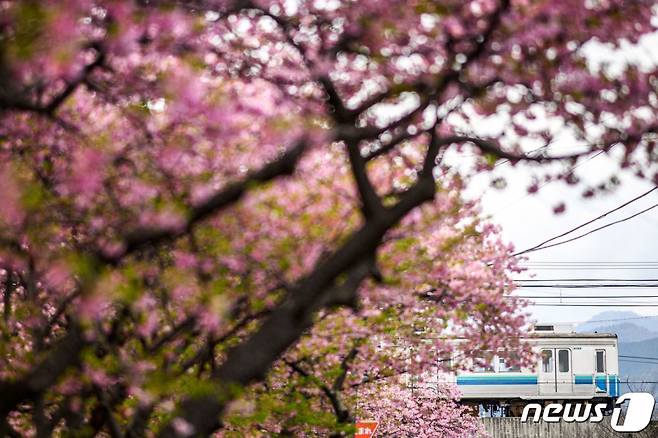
column 563, row 361
column 547, row 361
column 600, row 361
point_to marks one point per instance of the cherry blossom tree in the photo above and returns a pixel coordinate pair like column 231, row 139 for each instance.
column 425, row 412
column 197, row 194
column 455, row 308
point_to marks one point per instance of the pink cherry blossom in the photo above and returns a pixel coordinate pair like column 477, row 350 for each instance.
column 265, row 201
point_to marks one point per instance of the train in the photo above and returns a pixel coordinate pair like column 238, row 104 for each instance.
column 571, row 366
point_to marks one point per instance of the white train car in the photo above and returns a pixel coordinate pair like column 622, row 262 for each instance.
column 571, row 366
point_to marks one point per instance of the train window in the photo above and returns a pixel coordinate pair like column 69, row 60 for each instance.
column 503, row 366
column 484, row 363
column 563, row 360
column 483, row 367
column 600, row 361
column 547, row 361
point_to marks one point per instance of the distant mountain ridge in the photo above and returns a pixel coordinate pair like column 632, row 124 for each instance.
column 614, row 318
column 626, row 332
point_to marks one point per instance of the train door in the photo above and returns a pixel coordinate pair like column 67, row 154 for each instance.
column 564, row 372
column 547, row 371
column 555, row 371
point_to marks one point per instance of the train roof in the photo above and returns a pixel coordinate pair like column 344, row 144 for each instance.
column 563, row 330
column 554, row 335
column 571, row 335
column 558, row 331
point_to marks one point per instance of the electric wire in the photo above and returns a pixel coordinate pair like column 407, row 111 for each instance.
column 638, row 357
column 518, row 280
column 542, row 244
column 582, row 268
column 587, row 286
column 604, row 299
column 592, row 305
column 599, row 229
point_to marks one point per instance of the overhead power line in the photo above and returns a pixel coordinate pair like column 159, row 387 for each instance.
column 542, row 244
column 592, row 305
column 582, row 279
column 559, row 262
column 638, row 382
column 580, row 262
column 588, row 268
column 638, row 357
column 586, row 286
column 627, row 218
column 637, row 362
column 578, row 297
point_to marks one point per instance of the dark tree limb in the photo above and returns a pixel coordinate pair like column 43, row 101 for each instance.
column 249, row 361
column 186, row 324
column 67, row 351
column 344, row 366
column 44, row 375
column 351, row 133
column 333, row 392
column 371, row 204
column 139, row 423
column 206, row 350
column 6, row 299
column 61, row 309
column 391, row 144
column 341, row 114
column 491, row 147
column 229, row 195
column 7, row 430
column 19, row 103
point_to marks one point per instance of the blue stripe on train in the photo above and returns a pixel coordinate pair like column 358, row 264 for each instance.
column 613, row 384
column 583, row 380
column 609, row 384
column 496, row 380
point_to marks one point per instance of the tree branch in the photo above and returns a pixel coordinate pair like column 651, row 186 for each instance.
column 371, row 205
column 9, row 102
column 490, row 147
column 45, row 374
column 249, row 361
column 389, row 146
column 342, row 414
column 345, row 367
column 138, row 239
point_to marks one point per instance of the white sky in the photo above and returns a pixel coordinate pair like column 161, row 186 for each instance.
column 527, row 220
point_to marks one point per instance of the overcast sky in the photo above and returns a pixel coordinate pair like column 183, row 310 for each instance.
column 527, row 220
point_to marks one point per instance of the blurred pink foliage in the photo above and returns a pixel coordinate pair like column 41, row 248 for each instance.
column 199, row 196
